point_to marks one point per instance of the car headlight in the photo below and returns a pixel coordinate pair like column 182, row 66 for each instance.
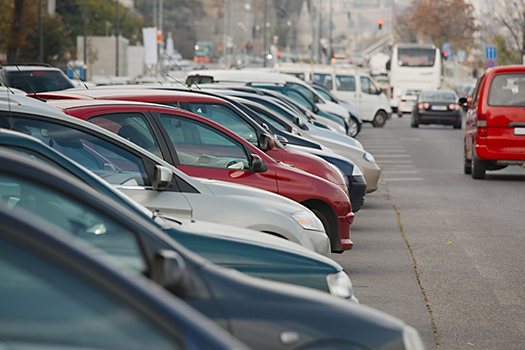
column 339, row 285
column 369, row 158
column 308, row 220
column 411, row 339
column 357, row 171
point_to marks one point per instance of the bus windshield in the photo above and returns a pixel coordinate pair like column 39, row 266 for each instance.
column 416, row 57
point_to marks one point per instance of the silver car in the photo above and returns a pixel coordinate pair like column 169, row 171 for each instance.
column 156, row 184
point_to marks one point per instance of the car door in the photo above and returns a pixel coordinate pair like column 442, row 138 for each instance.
column 201, row 150
column 368, row 97
column 120, row 166
column 345, row 89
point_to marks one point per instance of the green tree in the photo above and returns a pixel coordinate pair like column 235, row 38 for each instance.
column 506, row 54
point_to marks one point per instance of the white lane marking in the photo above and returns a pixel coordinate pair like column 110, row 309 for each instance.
column 394, row 161
column 400, row 172
column 404, row 179
column 409, row 139
column 392, row 155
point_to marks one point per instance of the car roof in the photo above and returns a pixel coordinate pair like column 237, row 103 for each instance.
column 157, row 94
column 25, row 67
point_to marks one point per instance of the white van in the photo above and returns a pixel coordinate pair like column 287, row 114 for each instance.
column 358, row 89
column 255, row 76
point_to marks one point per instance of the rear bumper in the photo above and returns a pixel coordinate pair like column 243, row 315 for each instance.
column 438, row 118
column 502, row 158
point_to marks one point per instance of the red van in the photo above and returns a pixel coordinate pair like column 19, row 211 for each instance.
column 495, row 122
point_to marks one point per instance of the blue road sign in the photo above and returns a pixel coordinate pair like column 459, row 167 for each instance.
column 490, row 53
column 462, row 55
column 445, row 47
column 491, row 63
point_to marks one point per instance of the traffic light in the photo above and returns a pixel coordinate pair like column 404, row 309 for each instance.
column 447, row 54
column 380, row 23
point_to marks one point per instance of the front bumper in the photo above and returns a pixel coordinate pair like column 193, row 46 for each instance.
column 357, row 187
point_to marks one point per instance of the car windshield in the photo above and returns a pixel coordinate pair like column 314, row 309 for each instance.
column 507, row 90
column 39, row 80
column 416, row 57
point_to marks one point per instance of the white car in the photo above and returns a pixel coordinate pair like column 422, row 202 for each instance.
column 407, row 101
column 158, row 185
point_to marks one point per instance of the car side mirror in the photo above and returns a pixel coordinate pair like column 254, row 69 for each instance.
column 168, row 269
column 266, row 142
column 161, row 178
column 315, row 109
column 258, row 165
column 387, row 65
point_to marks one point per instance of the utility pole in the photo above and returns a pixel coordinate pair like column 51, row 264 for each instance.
column 85, row 38
column 329, row 54
column 264, row 31
column 117, row 34
column 41, row 26
column 225, row 31
column 248, row 8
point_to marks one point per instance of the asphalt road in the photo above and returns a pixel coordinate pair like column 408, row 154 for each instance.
column 436, row 248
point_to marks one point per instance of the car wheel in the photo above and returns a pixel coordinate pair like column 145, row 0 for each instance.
column 414, row 123
column 379, row 119
column 467, row 163
column 353, row 127
column 325, row 222
column 478, row 167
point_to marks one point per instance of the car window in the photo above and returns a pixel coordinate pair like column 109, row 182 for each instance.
column 276, row 110
column 325, row 95
column 507, row 90
column 221, row 114
column 200, row 145
column 324, row 79
column 304, row 90
column 39, row 80
column 46, row 306
column 74, row 217
column 112, row 163
column 367, row 86
column 272, row 120
column 345, row 82
column 438, row 96
column 299, row 98
column 132, row 126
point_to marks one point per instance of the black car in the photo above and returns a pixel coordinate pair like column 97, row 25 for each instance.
column 437, row 107
column 60, row 293
column 34, row 78
column 261, row 313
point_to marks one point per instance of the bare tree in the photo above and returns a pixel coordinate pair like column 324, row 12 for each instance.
column 510, row 16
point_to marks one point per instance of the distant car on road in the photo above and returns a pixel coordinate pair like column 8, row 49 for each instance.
column 437, row 107
column 407, row 101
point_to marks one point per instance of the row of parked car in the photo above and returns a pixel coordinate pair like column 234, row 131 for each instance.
column 117, row 204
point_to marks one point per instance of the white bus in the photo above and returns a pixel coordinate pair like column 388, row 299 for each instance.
column 413, row 66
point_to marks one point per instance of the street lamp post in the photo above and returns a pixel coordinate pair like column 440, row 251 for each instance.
column 264, row 31
column 117, row 34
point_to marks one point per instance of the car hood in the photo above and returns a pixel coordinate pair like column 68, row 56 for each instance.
column 240, row 247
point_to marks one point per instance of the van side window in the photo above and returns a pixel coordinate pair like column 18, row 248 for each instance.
column 345, row 83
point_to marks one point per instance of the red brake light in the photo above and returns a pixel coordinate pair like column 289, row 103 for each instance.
column 423, row 105
column 453, row 106
column 481, row 123
column 391, row 92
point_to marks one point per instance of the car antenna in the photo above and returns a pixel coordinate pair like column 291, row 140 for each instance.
column 78, row 76
column 27, row 82
column 154, row 76
column 181, row 83
column 184, row 72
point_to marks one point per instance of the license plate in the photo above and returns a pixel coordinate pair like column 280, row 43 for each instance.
column 439, row 108
column 519, row 131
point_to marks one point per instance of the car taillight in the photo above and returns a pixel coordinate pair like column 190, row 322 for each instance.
column 423, row 105
column 391, row 92
column 453, row 106
column 481, row 123
column 403, row 100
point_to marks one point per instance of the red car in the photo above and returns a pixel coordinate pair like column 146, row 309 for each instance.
column 203, row 148
column 221, row 112
column 495, row 122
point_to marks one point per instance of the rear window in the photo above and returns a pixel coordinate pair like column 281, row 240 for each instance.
column 198, row 79
column 39, row 80
column 507, row 90
column 438, row 96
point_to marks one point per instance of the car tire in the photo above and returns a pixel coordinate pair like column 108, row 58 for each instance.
column 478, row 167
column 467, row 163
column 379, row 119
column 414, row 123
column 353, row 127
column 325, row 222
